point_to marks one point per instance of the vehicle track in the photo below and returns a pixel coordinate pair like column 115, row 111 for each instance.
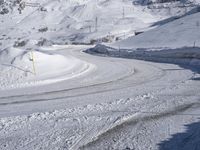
column 146, row 72
column 29, row 98
column 119, row 83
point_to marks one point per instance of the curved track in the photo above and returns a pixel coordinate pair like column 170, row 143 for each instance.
column 119, row 104
column 109, row 76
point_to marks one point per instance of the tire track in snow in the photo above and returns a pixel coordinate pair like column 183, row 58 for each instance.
column 94, row 136
column 130, row 75
column 78, row 88
column 132, row 120
column 64, row 90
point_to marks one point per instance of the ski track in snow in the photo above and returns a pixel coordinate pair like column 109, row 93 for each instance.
column 90, row 111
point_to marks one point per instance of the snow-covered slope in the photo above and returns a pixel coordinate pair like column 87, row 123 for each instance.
column 174, row 42
column 64, row 21
column 179, row 33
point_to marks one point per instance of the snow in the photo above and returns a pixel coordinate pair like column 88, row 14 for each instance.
column 22, row 68
column 103, row 109
column 75, row 100
column 183, row 55
column 178, row 33
column 137, row 122
column 174, row 42
column 70, row 21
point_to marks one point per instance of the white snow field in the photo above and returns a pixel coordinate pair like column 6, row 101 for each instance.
column 55, row 96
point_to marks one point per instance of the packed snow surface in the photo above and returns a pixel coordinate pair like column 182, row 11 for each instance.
column 58, row 97
column 46, row 22
column 177, row 41
column 129, row 104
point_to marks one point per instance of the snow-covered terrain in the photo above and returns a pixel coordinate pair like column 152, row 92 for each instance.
column 127, row 104
column 183, row 32
column 55, row 95
column 43, row 22
column 21, row 68
column 175, row 42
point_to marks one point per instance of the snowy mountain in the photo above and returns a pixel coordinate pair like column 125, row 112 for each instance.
column 43, row 22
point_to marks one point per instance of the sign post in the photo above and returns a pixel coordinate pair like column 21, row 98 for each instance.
column 33, row 62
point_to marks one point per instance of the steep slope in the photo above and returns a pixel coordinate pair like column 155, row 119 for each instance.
column 179, row 33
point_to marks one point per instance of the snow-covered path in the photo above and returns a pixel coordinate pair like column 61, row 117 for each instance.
column 119, row 104
column 108, row 76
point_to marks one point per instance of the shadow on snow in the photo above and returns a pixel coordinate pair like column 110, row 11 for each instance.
column 188, row 140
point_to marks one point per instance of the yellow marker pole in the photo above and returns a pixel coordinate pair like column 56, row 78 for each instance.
column 33, row 60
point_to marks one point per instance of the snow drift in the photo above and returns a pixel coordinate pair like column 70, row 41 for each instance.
column 19, row 68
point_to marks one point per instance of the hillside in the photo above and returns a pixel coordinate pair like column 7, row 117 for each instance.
column 179, row 33
column 43, row 22
column 176, row 41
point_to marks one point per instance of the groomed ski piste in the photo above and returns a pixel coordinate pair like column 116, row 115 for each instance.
column 139, row 93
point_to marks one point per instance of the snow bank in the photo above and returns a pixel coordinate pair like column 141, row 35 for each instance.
column 184, row 55
column 175, row 42
column 19, row 68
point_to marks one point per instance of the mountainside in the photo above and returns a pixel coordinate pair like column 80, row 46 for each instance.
column 43, row 22
column 183, row 32
column 57, row 93
column 176, row 41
